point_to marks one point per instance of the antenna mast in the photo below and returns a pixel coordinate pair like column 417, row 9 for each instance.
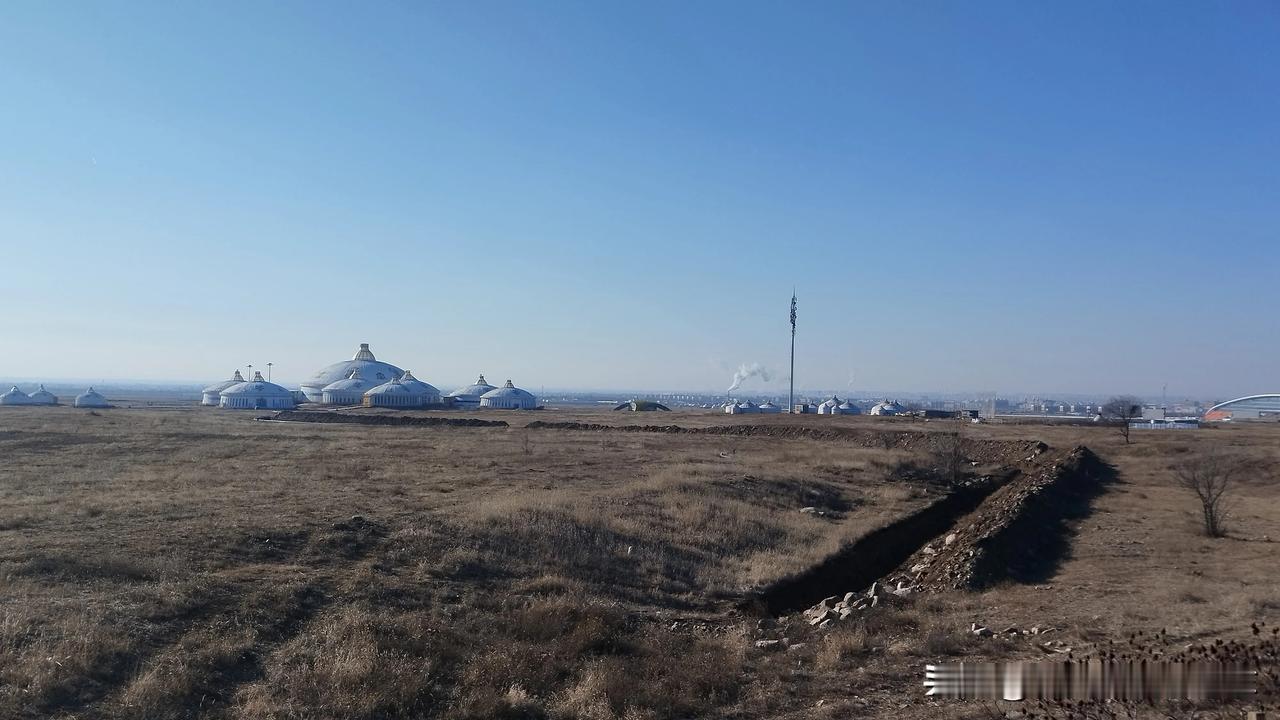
column 791, row 393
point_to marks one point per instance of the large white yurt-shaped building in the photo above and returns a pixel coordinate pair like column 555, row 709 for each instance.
column 848, row 408
column 830, row 407
column 394, row 394
column 470, row 395
column 430, row 395
column 91, row 399
column 372, row 369
column 887, row 408
column 257, row 394
column 350, row 390
column 211, row 395
column 15, row 397
column 768, row 408
column 508, row 397
column 43, row 397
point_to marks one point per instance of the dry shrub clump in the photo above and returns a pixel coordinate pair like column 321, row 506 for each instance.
column 355, row 663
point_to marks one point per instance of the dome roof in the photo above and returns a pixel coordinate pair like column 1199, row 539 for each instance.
column 90, row 398
column 43, row 397
column 220, row 386
column 847, row 406
column 15, row 397
column 354, row 382
column 746, row 404
column 257, row 388
column 477, row 390
column 374, row 370
column 767, row 404
column 833, row 402
column 395, row 387
column 507, row 391
column 409, row 381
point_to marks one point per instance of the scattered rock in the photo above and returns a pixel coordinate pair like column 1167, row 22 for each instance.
column 850, row 597
column 1012, row 630
column 795, row 648
column 950, row 539
column 769, row 645
column 982, row 631
column 824, row 616
column 919, row 568
column 825, row 624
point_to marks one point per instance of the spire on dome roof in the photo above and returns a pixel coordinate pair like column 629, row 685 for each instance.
column 257, row 376
column 238, row 377
column 364, row 353
column 481, row 381
column 407, row 376
column 509, row 384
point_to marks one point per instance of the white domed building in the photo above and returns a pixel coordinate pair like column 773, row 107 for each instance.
column 15, row 397
column 768, row 408
column 91, row 399
column 508, row 397
column 43, row 397
column 848, row 408
column 350, row 390
column 212, row 394
column 469, row 396
column 430, row 395
column 887, row 408
column 370, row 368
column 257, row 394
column 746, row 407
column 830, row 407
column 396, row 394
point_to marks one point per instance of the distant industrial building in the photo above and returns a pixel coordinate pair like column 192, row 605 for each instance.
column 1251, row 407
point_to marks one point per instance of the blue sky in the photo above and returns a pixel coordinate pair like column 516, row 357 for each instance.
column 967, row 196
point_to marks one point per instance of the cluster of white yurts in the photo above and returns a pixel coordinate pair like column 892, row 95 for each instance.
column 88, row 399
column 832, row 406
column 363, row 380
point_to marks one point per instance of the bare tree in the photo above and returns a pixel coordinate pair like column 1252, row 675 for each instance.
column 1122, row 410
column 1210, row 477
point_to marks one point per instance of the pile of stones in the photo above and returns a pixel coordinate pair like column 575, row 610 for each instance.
column 836, row 608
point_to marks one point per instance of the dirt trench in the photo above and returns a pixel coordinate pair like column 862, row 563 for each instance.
column 876, row 554
column 1014, row 528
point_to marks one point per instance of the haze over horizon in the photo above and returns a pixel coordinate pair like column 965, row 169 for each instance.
column 1005, row 197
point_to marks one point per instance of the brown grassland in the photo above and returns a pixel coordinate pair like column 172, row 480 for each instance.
column 182, row 562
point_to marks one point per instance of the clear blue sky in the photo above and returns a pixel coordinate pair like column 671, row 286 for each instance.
column 1003, row 196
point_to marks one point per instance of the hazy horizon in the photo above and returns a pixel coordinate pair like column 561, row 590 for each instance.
column 985, row 198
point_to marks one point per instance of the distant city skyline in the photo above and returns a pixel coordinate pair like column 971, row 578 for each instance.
column 1081, row 198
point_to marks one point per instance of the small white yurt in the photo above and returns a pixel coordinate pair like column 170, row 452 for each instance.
column 393, row 394
column 91, row 399
column 43, row 397
column 744, row 407
column 830, row 407
column 430, row 395
column 212, row 394
column 348, row 391
column 768, row 408
column 470, row 395
column 508, row 397
column 15, row 397
column 257, row 394
column 848, row 408
column 886, row 408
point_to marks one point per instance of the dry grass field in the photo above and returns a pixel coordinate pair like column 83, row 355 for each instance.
column 182, row 562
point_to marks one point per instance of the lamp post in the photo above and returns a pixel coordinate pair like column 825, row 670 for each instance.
column 269, row 371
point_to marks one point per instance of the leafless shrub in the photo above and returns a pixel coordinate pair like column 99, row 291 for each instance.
column 1211, row 476
column 1122, row 410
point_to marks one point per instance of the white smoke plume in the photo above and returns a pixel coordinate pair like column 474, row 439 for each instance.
column 747, row 371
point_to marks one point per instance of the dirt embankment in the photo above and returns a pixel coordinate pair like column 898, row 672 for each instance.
column 1018, row 533
column 394, row 420
column 986, row 451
